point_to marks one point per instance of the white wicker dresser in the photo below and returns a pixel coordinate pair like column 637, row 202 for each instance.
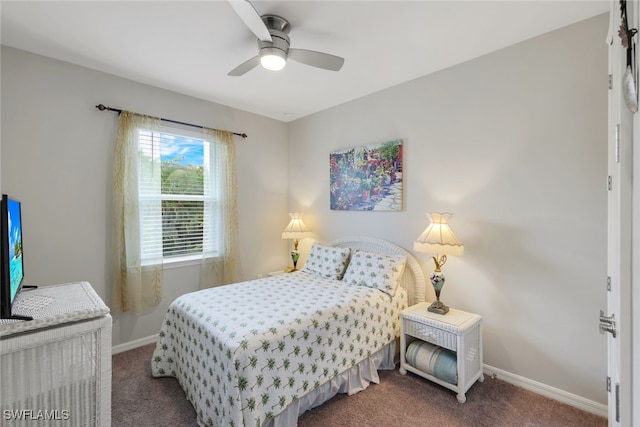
column 55, row 370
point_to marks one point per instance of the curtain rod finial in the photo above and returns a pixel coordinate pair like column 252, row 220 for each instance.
column 101, row 107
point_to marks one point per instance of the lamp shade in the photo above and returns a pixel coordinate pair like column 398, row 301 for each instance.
column 296, row 228
column 438, row 237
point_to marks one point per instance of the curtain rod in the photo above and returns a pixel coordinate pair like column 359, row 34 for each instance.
column 102, row 107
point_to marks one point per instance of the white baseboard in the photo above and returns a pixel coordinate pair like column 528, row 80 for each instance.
column 133, row 344
column 548, row 391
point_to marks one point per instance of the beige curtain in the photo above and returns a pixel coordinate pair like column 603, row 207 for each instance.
column 222, row 268
column 135, row 288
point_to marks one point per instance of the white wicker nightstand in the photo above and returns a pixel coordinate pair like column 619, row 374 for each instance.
column 458, row 331
column 276, row 273
column 56, row 369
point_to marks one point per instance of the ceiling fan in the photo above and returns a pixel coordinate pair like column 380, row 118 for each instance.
column 273, row 43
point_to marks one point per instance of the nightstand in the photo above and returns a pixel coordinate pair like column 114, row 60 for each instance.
column 276, row 273
column 286, row 270
column 458, row 331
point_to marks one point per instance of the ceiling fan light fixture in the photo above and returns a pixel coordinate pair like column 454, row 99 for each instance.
column 272, row 58
column 274, row 44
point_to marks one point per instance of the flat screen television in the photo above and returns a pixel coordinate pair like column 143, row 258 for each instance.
column 11, row 259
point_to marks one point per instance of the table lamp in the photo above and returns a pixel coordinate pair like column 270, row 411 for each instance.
column 438, row 239
column 295, row 230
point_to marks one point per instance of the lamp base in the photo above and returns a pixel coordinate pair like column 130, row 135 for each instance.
column 438, row 307
column 437, row 280
column 294, row 257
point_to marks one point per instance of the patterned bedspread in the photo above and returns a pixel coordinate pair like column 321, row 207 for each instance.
column 244, row 352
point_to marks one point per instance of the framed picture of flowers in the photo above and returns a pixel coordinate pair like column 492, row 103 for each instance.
column 367, row 178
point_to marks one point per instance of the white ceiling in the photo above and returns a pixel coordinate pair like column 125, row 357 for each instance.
column 189, row 47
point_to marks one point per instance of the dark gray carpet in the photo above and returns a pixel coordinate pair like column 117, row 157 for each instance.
column 141, row 400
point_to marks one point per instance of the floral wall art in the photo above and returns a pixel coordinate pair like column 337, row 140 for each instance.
column 367, row 178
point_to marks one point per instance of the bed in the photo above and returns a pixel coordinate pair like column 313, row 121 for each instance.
column 262, row 352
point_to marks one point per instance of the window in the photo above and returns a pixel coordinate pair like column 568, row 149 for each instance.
column 179, row 198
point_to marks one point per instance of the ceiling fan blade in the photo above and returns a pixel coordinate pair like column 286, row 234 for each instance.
column 245, row 67
column 316, row 59
column 251, row 18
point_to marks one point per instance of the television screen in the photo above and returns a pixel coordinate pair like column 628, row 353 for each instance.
column 11, row 264
column 14, row 254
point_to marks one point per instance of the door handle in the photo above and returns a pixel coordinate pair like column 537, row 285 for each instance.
column 607, row 324
column 607, row 328
column 604, row 319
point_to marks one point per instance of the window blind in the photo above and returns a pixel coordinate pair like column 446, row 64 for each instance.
column 178, row 196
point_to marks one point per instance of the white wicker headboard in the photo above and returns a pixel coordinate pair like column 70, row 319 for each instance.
column 412, row 280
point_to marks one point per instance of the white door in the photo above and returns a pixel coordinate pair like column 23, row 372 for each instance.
column 615, row 322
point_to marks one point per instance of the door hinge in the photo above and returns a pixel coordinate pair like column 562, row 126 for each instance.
column 617, row 397
column 617, row 403
column 610, row 82
column 608, row 283
column 609, row 186
column 617, row 143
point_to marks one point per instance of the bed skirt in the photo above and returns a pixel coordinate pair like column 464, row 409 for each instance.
column 350, row 382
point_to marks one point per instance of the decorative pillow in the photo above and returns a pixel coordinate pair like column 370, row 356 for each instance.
column 327, row 261
column 375, row 271
column 434, row 360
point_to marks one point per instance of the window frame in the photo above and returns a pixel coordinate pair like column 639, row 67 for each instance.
column 195, row 258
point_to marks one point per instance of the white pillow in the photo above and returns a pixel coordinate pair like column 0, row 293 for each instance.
column 327, row 261
column 375, row 271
